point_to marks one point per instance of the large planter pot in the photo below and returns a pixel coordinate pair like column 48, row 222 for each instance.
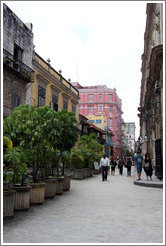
column 78, row 173
column 91, row 172
column 88, row 172
column 85, row 174
column 50, row 188
column 22, row 197
column 8, row 204
column 66, row 183
column 59, row 185
column 67, row 171
column 37, row 193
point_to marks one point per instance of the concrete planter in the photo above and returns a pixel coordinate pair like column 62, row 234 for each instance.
column 78, row 173
column 59, row 185
column 8, row 204
column 66, row 183
column 85, row 174
column 91, row 172
column 50, row 188
column 88, row 172
column 37, row 193
column 67, row 172
column 21, row 197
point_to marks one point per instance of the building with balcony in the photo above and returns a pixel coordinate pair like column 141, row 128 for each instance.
column 18, row 72
column 51, row 89
column 97, row 101
column 128, row 137
column 151, row 95
column 101, row 122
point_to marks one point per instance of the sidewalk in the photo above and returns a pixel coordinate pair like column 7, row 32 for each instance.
column 155, row 182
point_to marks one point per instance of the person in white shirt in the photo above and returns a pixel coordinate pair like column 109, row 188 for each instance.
column 104, row 163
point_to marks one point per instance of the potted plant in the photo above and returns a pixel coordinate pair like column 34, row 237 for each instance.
column 66, row 161
column 22, row 126
column 8, row 193
column 77, row 161
column 15, row 162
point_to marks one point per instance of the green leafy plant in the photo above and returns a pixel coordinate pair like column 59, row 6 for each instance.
column 15, row 165
column 77, row 158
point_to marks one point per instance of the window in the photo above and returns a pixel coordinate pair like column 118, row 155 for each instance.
column 65, row 105
column 110, row 122
column 110, row 97
column 90, row 109
column 91, row 121
column 18, row 52
column 74, row 109
column 100, row 96
column 110, row 109
column 55, row 102
column 90, row 97
column 41, row 96
column 100, row 108
column 16, row 101
column 98, row 121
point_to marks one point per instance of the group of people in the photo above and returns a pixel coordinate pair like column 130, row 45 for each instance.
column 145, row 163
column 140, row 162
column 107, row 164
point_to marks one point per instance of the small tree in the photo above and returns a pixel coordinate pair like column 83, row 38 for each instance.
column 91, row 148
column 68, row 134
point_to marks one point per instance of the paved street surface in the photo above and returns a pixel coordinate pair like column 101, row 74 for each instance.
column 113, row 211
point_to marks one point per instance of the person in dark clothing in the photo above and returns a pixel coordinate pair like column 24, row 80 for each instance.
column 147, row 165
column 128, row 166
column 113, row 165
column 121, row 163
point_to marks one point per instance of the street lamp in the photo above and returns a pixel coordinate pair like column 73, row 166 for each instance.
column 146, row 140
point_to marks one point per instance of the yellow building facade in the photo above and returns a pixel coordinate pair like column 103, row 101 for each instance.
column 51, row 89
column 98, row 120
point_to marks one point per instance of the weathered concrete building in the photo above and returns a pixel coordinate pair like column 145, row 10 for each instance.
column 17, row 61
column 151, row 96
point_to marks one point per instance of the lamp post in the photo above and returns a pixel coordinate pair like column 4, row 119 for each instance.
column 146, row 140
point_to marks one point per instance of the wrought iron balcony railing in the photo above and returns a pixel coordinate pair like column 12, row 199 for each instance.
column 18, row 67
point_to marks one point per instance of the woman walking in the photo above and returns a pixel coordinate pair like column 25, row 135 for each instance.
column 113, row 165
column 147, row 165
column 128, row 165
column 121, row 163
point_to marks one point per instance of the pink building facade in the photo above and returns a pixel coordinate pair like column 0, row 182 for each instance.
column 98, row 100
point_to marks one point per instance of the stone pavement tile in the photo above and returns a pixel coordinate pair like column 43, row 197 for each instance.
column 93, row 211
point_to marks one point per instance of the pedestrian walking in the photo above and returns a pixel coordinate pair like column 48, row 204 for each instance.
column 104, row 163
column 147, row 165
column 128, row 166
column 121, row 163
column 113, row 165
column 138, row 163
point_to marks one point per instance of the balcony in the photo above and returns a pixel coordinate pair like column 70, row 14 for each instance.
column 109, row 143
column 17, row 67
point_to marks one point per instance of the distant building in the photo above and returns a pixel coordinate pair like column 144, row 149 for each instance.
column 128, row 130
column 99, row 103
column 17, row 61
column 151, row 96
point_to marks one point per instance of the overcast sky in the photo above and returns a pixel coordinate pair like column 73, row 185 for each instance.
column 92, row 42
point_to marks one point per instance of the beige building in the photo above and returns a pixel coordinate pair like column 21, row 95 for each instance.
column 151, row 96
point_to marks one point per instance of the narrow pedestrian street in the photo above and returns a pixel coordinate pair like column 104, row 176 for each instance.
column 113, row 211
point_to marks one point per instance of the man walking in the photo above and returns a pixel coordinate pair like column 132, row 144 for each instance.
column 138, row 163
column 104, row 163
